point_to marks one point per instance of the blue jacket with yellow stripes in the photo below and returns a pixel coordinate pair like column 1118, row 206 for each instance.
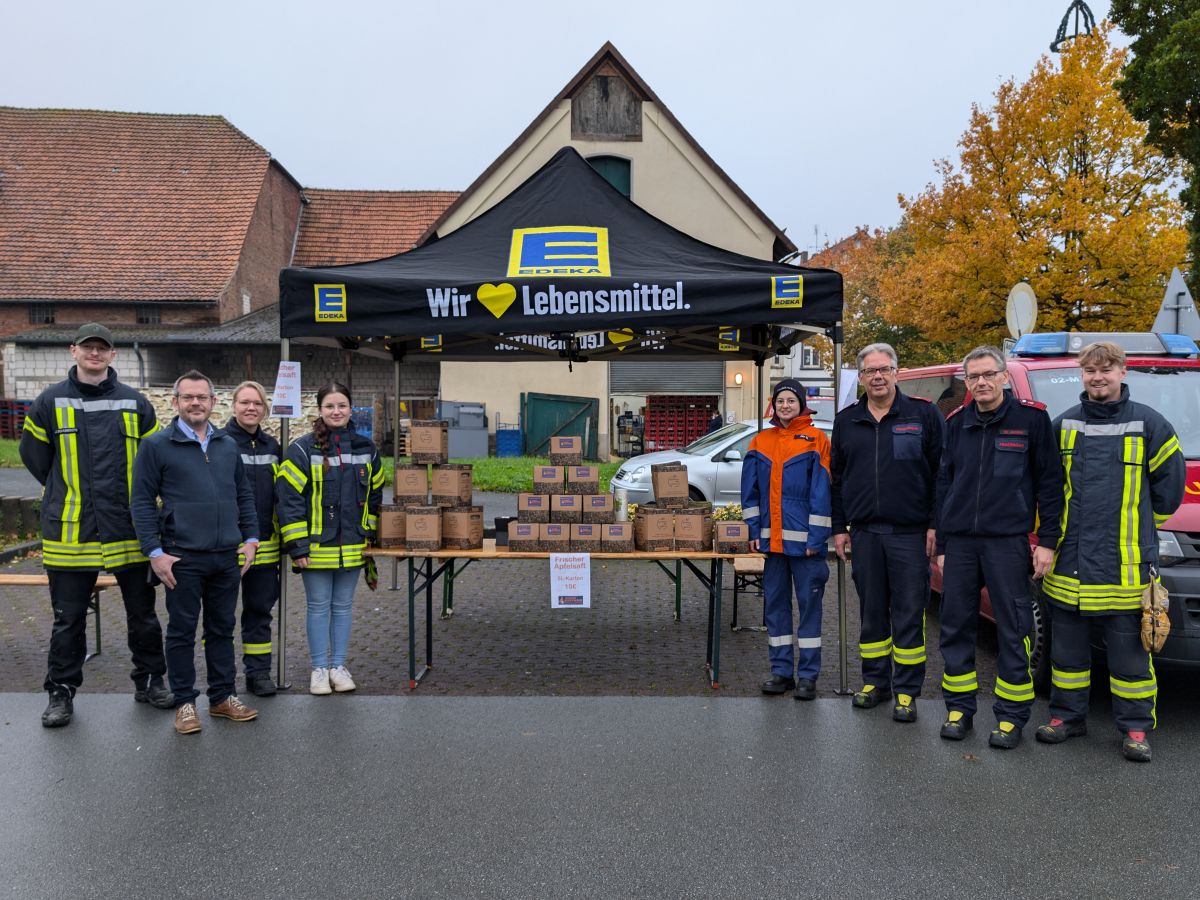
column 80, row 441
column 328, row 498
column 786, row 492
column 261, row 458
column 1125, row 476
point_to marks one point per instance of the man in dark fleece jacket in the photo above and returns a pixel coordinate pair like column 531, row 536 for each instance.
column 192, row 540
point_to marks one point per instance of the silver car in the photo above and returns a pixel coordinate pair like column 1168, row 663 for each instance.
column 714, row 461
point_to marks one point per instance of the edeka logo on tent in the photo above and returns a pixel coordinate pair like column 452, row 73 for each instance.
column 787, row 291
column 331, row 302
column 579, row 251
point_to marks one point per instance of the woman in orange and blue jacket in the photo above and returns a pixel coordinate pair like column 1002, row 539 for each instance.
column 787, row 502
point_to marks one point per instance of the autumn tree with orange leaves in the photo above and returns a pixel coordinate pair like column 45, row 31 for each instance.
column 1056, row 187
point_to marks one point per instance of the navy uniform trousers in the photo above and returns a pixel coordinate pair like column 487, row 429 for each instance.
column 260, row 590
column 1003, row 565
column 1131, row 672
column 891, row 575
column 794, row 653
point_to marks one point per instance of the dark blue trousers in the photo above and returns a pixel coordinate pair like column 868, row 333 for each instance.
column 1003, row 565
column 891, row 574
column 204, row 583
column 260, row 590
column 794, row 654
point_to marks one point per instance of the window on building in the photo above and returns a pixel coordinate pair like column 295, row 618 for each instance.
column 41, row 313
column 149, row 315
column 616, row 171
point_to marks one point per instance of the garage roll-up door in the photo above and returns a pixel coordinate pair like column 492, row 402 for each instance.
column 635, row 377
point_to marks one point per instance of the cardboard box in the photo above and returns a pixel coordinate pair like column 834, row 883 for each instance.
column 566, row 451
column 430, row 441
column 548, row 479
column 654, row 528
column 423, row 527
column 598, row 509
column 389, row 531
column 731, row 537
column 533, row 508
column 524, row 537
column 583, row 479
column 694, row 527
column 585, row 538
column 462, row 527
column 566, row 508
column 617, row 537
column 451, row 485
column 411, row 485
column 554, row 538
column 670, row 484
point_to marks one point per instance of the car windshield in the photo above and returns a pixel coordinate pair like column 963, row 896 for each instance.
column 1172, row 390
column 711, row 441
column 821, row 410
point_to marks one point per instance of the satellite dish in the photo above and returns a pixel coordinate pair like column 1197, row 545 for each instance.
column 1021, row 312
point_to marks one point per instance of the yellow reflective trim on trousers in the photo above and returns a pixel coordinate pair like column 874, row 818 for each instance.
column 1070, row 681
column 875, row 649
column 1164, row 452
column 960, row 684
column 36, row 431
column 909, row 656
column 1018, row 693
column 257, row 649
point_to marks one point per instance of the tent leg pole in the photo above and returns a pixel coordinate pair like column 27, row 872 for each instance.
column 758, row 391
column 281, row 654
column 843, row 675
column 395, row 453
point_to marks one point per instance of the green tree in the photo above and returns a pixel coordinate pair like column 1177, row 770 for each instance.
column 1161, row 87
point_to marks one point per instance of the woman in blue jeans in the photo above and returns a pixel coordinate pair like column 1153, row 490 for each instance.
column 330, row 487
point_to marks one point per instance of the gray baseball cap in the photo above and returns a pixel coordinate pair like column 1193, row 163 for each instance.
column 93, row 331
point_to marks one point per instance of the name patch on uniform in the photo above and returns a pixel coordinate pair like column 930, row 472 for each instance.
column 906, row 429
column 66, row 431
column 1011, row 445
column 802, row 437
column 1020, row 431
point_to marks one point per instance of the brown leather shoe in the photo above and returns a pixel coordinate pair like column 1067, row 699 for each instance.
column 186, row 719
column 233, row 708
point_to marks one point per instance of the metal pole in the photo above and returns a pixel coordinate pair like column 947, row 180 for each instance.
column 395, row 452
column 281, row 655
column 843, row 675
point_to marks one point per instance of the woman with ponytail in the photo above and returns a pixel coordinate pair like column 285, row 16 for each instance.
column 330, row 487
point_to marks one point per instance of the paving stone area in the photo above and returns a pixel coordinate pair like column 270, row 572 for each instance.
column 503, row 639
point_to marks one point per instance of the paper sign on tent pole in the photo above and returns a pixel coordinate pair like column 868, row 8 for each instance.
column 285, row 399
column 1177, row 313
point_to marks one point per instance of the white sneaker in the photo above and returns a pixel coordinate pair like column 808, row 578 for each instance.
column 319, row 682
column 339, row 677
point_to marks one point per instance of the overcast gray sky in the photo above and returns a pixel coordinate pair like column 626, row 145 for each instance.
column 820, row 111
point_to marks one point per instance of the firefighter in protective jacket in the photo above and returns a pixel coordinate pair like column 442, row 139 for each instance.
column 1125, row 475
column 787, row 506
column 79, row 440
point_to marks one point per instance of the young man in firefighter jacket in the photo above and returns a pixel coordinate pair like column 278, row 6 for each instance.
column 80, row 439
column 260, row 585
column 1000, row 476
column 1125, row 475
column 786, row 503
column 886, row 452
column 192, row 507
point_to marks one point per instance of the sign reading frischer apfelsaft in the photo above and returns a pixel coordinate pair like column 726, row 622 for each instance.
column 563, row 264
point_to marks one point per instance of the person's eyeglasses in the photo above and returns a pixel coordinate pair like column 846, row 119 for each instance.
column 983, row 376
column 192, row 398
column 94, row 349
column 878, row 370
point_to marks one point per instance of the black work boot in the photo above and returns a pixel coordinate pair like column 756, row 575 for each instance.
column 59, row 712
column 156, row 693
column 261, row 684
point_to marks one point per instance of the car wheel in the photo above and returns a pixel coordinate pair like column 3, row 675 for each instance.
column 1039, row 640
column 695, row 495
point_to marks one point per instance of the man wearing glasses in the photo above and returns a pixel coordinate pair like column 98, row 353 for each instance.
column 79, row 441
column 886, row 450
column 193, row 538
column 1000, row 478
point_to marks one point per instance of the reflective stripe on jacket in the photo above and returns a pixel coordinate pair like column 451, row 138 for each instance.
column 80, row 441
column 1125, row 475
column 328, row 500
column 786, row 499
column 261, row 458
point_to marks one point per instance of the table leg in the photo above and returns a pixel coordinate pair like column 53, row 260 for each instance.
column 448, row 591
column 413, row 677
column 678, row 590
column 718, row 575
column 429, row 612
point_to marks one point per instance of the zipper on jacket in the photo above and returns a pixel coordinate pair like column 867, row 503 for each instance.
column 876, row 469
column 979, row 480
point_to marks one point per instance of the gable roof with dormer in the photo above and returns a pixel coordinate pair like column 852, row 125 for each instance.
column 340, row 227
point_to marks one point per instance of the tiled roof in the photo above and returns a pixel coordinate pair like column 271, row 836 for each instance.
column 340, row 227
column 259, row 327
column 122, row 206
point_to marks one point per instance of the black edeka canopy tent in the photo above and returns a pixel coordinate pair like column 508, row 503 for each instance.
column 567, row 267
